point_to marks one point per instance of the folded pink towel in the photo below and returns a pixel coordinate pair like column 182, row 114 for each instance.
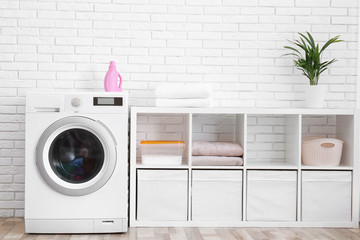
column 228, row 149
column 216, row 161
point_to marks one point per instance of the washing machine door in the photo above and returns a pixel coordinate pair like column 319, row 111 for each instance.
column 76, row 155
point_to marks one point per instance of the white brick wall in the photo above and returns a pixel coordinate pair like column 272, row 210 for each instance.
column 234, row 44
column 213, row 128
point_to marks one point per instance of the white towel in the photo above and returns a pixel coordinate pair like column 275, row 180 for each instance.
column 183, row 102
column 189, row 90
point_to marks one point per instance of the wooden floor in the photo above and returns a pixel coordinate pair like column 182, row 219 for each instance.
column 13, row 229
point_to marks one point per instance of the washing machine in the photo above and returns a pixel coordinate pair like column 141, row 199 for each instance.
column 76, row 163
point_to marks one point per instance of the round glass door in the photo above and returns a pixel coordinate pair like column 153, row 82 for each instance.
column 76, row 155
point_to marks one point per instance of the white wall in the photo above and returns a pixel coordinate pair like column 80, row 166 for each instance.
column 236, row 45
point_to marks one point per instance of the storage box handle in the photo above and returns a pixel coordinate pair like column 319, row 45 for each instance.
column 327, row 145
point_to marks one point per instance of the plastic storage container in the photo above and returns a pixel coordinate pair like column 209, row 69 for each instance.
column 161, row 152
column 271, row 195
column 217, row 195
column 162, row 195
column 321, row 151
column 326, row 196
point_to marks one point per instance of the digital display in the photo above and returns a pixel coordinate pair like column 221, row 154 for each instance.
column 108, row 101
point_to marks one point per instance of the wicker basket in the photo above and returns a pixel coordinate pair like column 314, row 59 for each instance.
column 317, row 151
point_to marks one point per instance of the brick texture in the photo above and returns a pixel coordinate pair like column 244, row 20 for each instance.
column 234, row 44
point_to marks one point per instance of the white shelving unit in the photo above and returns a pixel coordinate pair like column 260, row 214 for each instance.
column 271, row 139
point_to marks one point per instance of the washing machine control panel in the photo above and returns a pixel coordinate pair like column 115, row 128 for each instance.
column 96, row 103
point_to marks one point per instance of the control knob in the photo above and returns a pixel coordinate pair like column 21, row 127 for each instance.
column 75, row 102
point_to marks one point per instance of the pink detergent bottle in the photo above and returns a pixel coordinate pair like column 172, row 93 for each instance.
column 111, row 79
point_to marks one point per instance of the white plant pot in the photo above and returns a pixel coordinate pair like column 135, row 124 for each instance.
column 315, row 96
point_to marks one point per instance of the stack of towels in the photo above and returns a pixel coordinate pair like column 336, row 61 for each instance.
column 183, row 95
column 217, row 154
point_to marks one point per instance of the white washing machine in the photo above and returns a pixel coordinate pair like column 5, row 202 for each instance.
column 76, row 163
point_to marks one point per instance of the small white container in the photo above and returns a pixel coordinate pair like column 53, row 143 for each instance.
column 162, row 195
column 217, row 195
column 162, row 152
column 321, row 151
column 271, row 195
column 326, row 196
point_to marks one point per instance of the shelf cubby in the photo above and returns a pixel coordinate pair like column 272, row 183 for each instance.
column 332, row 126
column 162, row 127
column 273, row 141
column 219, row 128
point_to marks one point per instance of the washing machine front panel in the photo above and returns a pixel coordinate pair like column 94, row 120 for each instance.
column 76, row 155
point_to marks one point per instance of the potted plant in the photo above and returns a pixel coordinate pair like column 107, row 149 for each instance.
column 308, row 55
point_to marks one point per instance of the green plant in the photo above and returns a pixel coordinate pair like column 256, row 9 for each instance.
column 310, row 63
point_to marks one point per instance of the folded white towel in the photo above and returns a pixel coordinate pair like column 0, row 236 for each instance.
column 189, row 90
column 183, row 102
column 216, row 161
column 230, row 149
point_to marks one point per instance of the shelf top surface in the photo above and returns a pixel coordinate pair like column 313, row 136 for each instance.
column 287, row 111
column 259, row 166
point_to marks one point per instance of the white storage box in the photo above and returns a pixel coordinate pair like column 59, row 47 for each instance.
column 321, row 151
column 161, row 152
column 162, row 194
column 217, row 195
column 326, row 196
column 271, row 195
